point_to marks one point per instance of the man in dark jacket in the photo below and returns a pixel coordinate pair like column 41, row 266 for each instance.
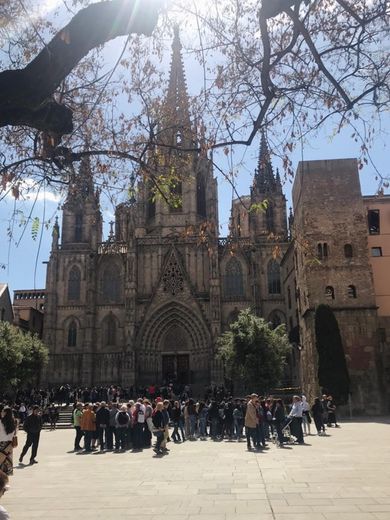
column 102, row 423
column 33, row 426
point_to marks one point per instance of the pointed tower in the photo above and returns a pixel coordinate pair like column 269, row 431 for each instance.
column 267, row 190
column 191, row 188
column 175, row 128
column 82, row 221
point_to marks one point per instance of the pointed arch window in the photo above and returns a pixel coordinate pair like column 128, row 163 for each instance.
column 329, row 292
column 111, row 284
column 289, row 297
column 351, row 291
column 74, row 282
column 110, row 330
column 234, row 283
column 201, row 197
column 72, row 334
column 78, row 228
column 269, row 218
column 273, row 275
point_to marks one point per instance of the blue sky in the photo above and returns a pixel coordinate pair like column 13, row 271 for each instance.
column 24, row 257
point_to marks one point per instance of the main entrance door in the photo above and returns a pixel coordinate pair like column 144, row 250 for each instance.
column 176, row 367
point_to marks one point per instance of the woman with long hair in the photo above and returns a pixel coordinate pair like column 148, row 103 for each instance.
column 8, row 430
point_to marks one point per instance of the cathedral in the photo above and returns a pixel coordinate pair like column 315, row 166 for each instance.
column 149, row 303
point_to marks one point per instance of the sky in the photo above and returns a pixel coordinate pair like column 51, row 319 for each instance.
column 23, row 257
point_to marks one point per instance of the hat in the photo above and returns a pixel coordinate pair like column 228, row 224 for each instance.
column 254, row 395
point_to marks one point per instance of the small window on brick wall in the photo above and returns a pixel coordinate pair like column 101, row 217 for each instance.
column 322, row 250
column 376, row 251
column 348, row 251
column 329, row 293
column 351, row 291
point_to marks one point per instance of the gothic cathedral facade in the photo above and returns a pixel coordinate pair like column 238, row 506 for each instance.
column 149, row 303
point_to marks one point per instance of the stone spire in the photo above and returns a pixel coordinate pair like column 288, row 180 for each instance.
column 176, row 117
column 264, row 179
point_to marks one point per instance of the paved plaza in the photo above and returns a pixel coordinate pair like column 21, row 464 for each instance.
column 345, row 476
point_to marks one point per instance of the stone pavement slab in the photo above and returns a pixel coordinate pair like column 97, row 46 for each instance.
column 345, row 475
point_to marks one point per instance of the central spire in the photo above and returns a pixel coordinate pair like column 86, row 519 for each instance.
column 177, row 122
column 264, row 176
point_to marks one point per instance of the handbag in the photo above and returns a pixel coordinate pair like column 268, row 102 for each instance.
column 14, row 441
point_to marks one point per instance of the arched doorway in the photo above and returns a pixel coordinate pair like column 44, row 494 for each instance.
column 175, row 356
column 174, row 343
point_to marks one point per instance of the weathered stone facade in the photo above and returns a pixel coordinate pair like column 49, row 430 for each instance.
column 149, row 303
column 332, row 267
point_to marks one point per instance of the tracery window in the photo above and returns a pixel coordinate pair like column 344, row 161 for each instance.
column 234, row 283
column 74, row 282
column 273, row 274
column 111, row 284
column 72, row 334
column 172, row 278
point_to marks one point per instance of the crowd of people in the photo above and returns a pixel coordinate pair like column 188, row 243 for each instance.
column 131, row 425
column 121, row 425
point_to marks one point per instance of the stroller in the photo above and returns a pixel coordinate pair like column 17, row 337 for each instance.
column 286, row 432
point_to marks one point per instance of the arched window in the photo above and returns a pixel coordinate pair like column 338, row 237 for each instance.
column 322, row 250
column 72, row 334
column 234, row 283
column 269, row 218
column 201, row 197
column 273, row 273
column 329, row 292
column 74, row 281
column 111, row 284
column 348, row 252
column 351, row 291
column 110, row 330
column 78, row 228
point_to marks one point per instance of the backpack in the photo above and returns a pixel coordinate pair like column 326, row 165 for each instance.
column 141, row 416
column 122, row 418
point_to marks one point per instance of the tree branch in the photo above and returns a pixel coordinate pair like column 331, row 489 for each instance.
column 25, row 94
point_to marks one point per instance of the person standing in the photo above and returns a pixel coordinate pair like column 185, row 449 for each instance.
column 296, row 416
column 102, row 424
column 113, row 410
column 32, row 426
column 8, row 431
column 122, row 421
column 88, row 426
column 158, row 423
column 318, row 413
column 251, row 421
column 76, row 416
